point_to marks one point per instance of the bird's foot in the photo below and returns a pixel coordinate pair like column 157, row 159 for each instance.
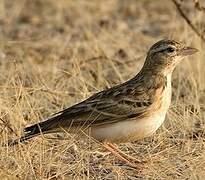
column 129, row 160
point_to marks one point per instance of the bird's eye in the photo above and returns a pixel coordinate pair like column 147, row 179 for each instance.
column 170, row 49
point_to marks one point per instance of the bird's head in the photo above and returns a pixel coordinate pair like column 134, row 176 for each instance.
column 164, row 55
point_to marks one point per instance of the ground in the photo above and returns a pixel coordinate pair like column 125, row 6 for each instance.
column 56, row 53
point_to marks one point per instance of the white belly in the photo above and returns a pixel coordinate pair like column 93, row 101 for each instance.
column 129, row 130
column 134, row 129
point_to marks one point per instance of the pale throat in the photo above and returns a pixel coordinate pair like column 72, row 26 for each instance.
column 168, row 75
column 170, row 68
column 169, row 79
column 168, row 91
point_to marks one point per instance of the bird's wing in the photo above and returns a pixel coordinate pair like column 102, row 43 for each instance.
column 129, row 100
column 116, row 104
column 136, row 98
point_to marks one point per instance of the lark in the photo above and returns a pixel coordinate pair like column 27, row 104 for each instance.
column 127, row 112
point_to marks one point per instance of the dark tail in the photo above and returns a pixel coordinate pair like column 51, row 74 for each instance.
column 44, row 127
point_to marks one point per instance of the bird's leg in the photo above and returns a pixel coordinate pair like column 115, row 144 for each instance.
column 129, row 160
column 117, row 154
column 114, row 147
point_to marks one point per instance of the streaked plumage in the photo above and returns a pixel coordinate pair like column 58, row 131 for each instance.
column 126, row 112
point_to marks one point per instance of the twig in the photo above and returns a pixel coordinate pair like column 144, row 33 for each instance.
column 188, row 20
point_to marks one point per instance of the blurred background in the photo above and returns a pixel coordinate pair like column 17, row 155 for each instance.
column 56, row 53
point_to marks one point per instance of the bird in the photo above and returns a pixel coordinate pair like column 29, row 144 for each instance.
column 126, row 112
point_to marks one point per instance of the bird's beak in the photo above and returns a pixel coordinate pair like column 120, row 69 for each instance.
column 188, row 51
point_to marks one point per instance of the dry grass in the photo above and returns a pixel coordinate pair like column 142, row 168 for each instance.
column 55, row 54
